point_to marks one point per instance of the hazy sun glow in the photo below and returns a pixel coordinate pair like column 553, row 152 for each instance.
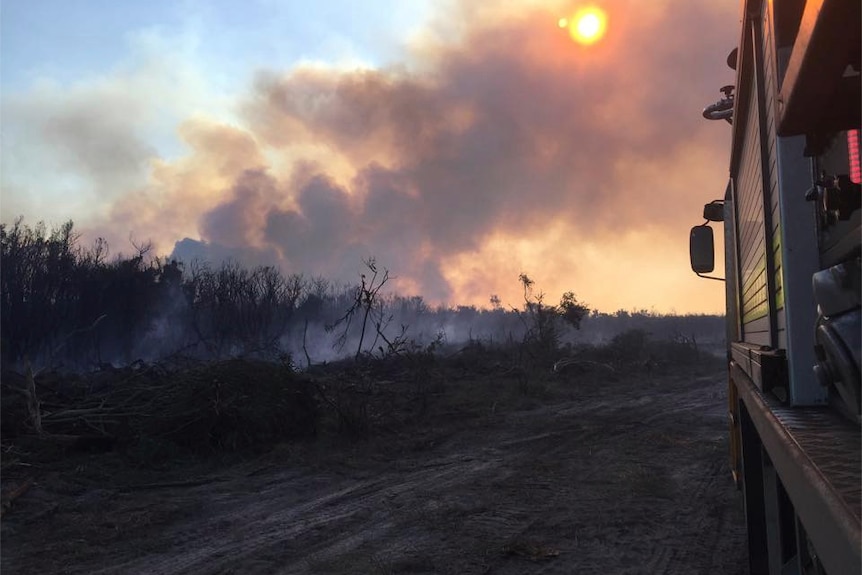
column 587, row 26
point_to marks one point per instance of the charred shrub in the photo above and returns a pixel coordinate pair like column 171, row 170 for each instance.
column 681, row 350
column 234, row 405
column 545, row 323
column 636, row 349
column 630, row 346
column 157, row 416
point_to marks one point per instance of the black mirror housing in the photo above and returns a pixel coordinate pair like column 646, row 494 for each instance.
column 714, row 212
column 702, row 249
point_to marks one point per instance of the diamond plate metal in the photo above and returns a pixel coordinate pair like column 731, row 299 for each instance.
column 833, row 444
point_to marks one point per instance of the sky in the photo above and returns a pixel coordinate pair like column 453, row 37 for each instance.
column 458, row 143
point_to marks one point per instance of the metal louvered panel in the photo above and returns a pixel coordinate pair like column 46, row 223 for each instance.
column 770, row 86
column 752, row 247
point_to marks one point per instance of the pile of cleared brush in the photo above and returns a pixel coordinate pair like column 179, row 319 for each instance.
column 201, row 408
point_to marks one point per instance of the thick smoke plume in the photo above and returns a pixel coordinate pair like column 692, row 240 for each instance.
column 507, row 149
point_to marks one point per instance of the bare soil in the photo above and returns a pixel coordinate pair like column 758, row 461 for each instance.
column 593, row 472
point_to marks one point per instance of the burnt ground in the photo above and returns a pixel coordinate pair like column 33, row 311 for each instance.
column 499, row 472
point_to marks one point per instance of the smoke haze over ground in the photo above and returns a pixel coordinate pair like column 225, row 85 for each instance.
column 496, row 146
column 65, row 306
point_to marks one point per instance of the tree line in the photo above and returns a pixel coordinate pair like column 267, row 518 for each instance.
column 64, row 305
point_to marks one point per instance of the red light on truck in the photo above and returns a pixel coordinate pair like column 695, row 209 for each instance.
column 853, row 153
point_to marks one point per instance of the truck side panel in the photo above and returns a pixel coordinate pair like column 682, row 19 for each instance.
column 794, row 237
column 800, row 259
column 770, row 89
column 752, row 242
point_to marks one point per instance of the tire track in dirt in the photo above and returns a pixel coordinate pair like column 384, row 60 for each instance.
column 671, row 551
column 683, row 553
column 626, row 477
column 261, row 526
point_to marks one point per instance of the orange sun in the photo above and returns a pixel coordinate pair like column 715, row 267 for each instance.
column 587, row 26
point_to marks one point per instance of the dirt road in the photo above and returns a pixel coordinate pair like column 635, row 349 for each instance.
column 582, row 476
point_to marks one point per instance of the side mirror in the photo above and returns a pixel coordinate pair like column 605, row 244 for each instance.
column 702, row 249
column 714, row 211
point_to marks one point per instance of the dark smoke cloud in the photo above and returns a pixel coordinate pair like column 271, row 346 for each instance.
column 511, row 129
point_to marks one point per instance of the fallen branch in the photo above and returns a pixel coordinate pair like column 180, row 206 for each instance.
column 563, row 363
column 171, row 484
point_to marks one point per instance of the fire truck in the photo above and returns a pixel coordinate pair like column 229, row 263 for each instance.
column 791, row 221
